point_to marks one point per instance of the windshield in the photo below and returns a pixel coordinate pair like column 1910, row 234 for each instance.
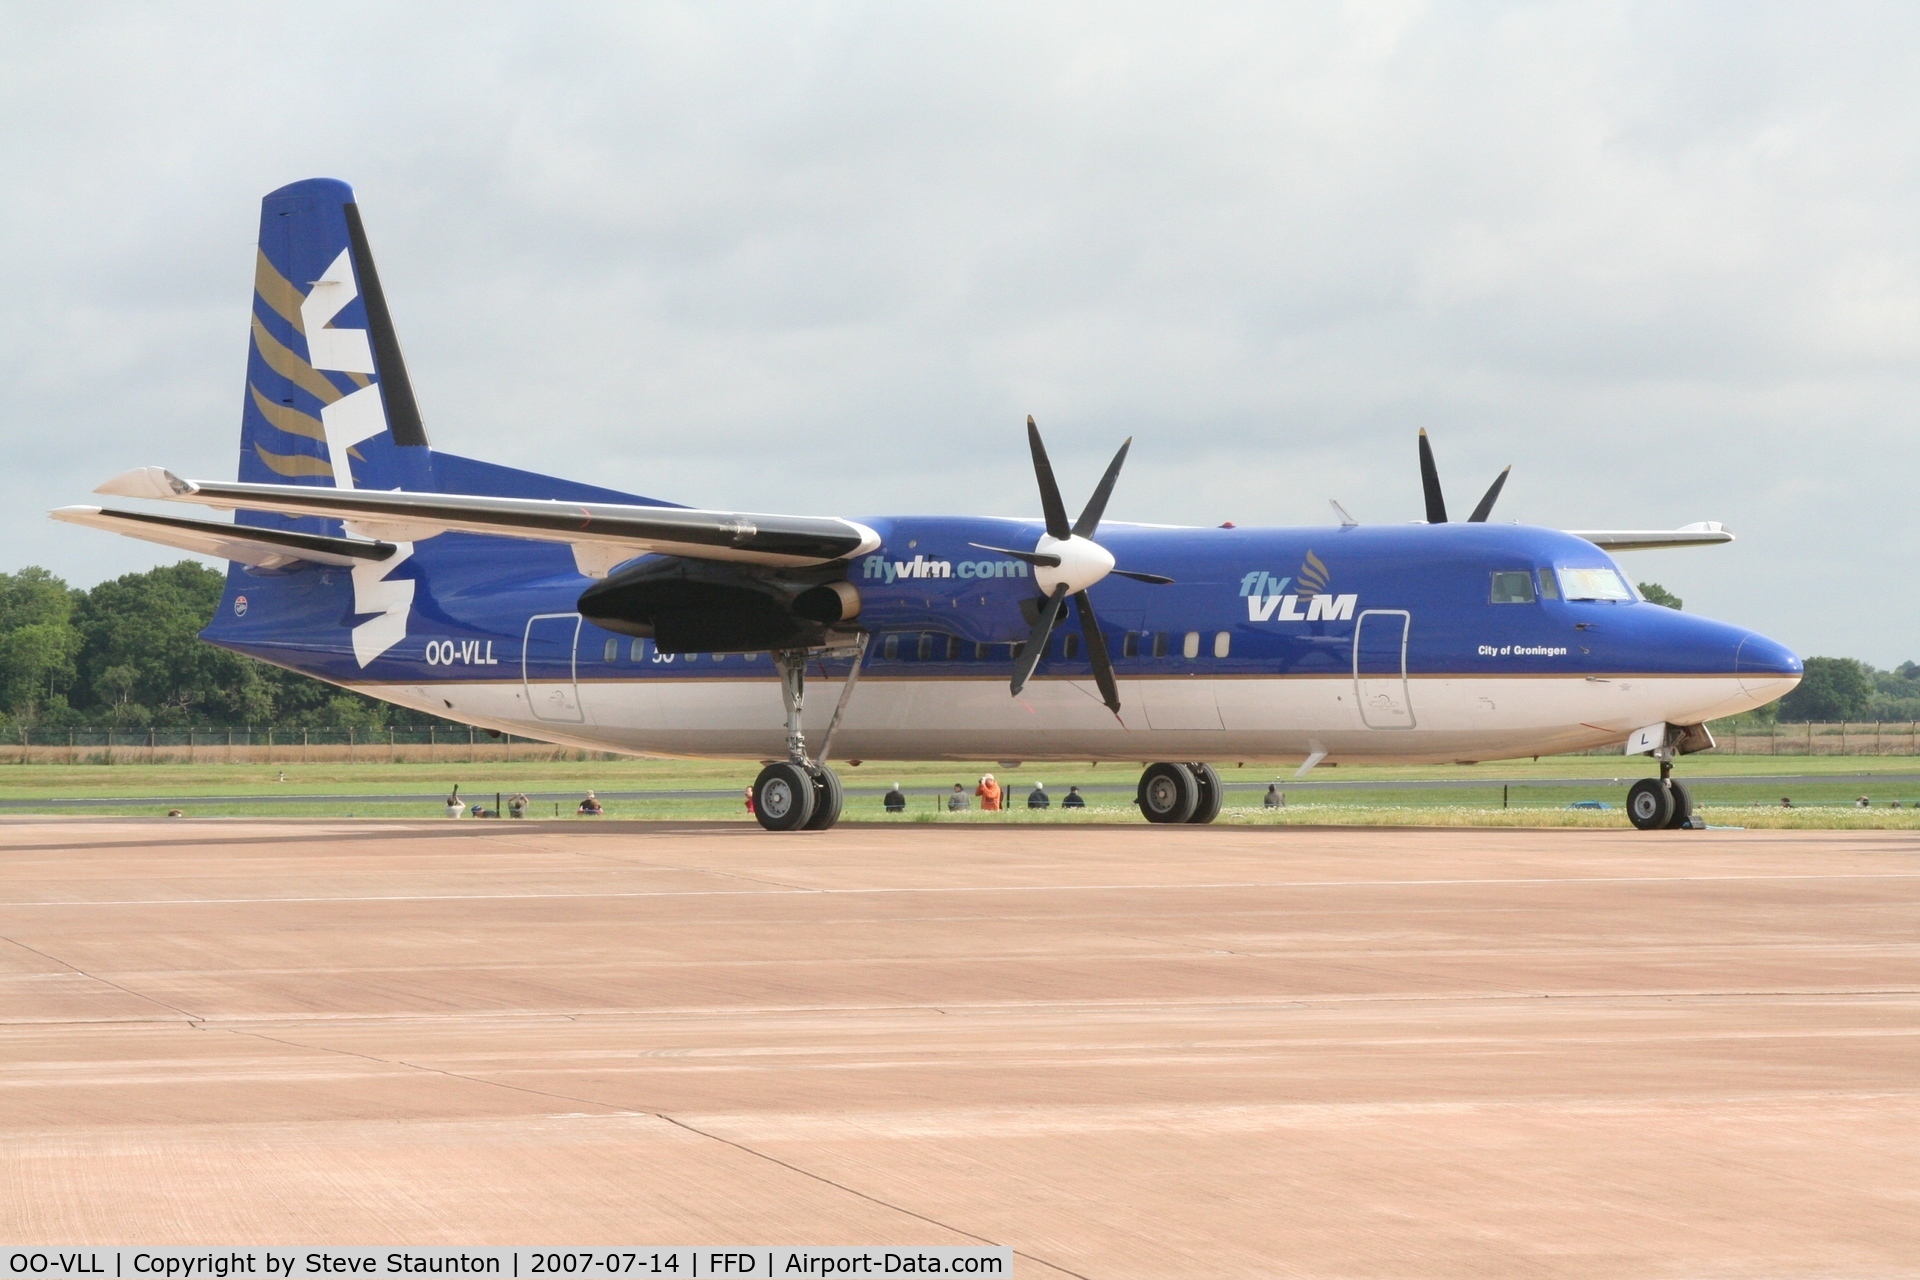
column 1593, row 584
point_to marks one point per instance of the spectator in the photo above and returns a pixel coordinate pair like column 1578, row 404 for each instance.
column 1074, row 799
column 1276, row 798
column 958, row 800
column 989, row 793
column 590, row 807
column 1038, row 797
column 1785, row 803
column 517, row 805
column 1862, row 803
column 750, row 809
column 455, row 805
column 896, row 800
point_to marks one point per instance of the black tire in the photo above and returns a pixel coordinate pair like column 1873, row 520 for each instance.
column 1167, row 793
column 826, row 800
column 1208, row 797
column 1650, row 804
column 1682, row 803
column 783, row 797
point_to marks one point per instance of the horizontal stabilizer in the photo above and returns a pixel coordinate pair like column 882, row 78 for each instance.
column 774, row 540
column 262, row 548
column 1704, row 534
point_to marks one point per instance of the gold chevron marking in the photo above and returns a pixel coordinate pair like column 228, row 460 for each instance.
column 1313, row 575
column 277, row 291
column 294, row 464
column 287, row 418
column 360, row 379
column 284, row 362
column 353, row 451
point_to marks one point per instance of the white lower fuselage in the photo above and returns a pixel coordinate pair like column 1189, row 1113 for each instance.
column 1426, row 719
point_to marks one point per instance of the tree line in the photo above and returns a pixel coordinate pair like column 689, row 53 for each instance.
column 126, row 654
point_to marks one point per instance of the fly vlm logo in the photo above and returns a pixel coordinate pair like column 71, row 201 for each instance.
column 1269, row 601
column 921, row 567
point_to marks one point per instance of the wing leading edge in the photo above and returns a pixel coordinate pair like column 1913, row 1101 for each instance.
column 1706, row 533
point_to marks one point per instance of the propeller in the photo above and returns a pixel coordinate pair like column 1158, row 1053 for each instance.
column 1437, row 503
column 1067, row 561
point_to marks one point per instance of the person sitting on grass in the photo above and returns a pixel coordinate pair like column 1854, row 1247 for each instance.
column 1074, row 799
column 895, row 800
column 455, row 805
column 958, row 800
column 1038, row 797
column 590, row 807
column 517, row 805
column 750, row 809
column 1276, row 798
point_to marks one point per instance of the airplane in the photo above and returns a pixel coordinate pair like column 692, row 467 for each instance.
column 362, row 555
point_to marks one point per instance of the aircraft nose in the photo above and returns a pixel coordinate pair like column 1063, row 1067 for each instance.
column 1766, row 668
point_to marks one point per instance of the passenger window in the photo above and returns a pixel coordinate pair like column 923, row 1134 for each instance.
column 1159, row 644
column 1190, row 647
column 1222, row 644
column 1130, row 645
column 636, row 651
column 612, row 651
column 890, row 648
column 751, row 657
column 1070, row 646
column 925, row 649
column 1549, row 589
column 1515, row 587
column 953, row 648
column 980, row 651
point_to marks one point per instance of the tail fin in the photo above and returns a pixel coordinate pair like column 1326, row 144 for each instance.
column 328, row 400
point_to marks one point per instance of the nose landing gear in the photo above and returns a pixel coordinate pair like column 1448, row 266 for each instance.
column 1179, row 793
column 1662, row 803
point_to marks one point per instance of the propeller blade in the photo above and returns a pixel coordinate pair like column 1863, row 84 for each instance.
column 1485, row 509
column 1430, row 482
column 1042, row 559
column 1156, row 579
column 1037, row 640
column 1097, row 652
column 1097, row 505
column 1054, row 509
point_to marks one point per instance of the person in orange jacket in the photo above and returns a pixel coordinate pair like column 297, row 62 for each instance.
column 989, row 792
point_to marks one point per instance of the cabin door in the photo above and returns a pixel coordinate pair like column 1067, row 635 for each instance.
column 548, row 666
column 1380, row 668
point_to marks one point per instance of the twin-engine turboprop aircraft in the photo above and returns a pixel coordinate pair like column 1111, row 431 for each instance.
column 558, row 610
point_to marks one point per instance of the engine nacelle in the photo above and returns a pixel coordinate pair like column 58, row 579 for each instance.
column 702, row 606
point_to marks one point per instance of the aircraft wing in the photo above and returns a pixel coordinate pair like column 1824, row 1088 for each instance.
column 602, row 534
column 1705, row 533
column 263, row 548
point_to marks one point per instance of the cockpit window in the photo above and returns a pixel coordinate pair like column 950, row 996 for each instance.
column 1515, row 587
column 1593, row 584
column 1549, row 589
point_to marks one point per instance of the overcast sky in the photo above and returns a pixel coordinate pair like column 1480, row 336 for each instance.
column 1664, row 259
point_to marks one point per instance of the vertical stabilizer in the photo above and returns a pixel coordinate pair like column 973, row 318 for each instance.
column 328, row 400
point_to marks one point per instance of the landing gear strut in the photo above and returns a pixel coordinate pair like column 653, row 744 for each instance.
column 1184, row 793
column 800, row 793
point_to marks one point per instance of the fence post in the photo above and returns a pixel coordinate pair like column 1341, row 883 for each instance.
column 349, row 744
column 469, row 744
column 393, row 756
column 303, row 746
column 70, row 745
column 433, row 739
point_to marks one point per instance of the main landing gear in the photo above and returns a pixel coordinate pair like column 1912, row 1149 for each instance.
column 1179, row 793
column 1654, row 804
column 800, row 793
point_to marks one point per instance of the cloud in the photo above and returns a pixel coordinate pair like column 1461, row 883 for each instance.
column 1661, row 258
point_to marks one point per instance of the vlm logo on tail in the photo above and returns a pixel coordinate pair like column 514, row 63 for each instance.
column 1269, row 601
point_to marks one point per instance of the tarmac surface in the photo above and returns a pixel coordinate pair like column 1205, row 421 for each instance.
column 1123, row 1051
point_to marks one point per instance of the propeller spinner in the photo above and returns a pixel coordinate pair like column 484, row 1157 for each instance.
column 1066, row 562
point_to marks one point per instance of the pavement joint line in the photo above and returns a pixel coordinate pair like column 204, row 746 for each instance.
column 1041, row 888
column 486, row 1082
column 192, row 1019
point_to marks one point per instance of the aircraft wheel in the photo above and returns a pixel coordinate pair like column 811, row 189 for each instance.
column 1682, row 803
column 1650, row 804
column 826, row 800
column 1206, row 805
column 1167, row 793
column 783, row 797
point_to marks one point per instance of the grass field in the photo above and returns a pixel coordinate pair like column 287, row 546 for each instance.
column 1732, row 790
